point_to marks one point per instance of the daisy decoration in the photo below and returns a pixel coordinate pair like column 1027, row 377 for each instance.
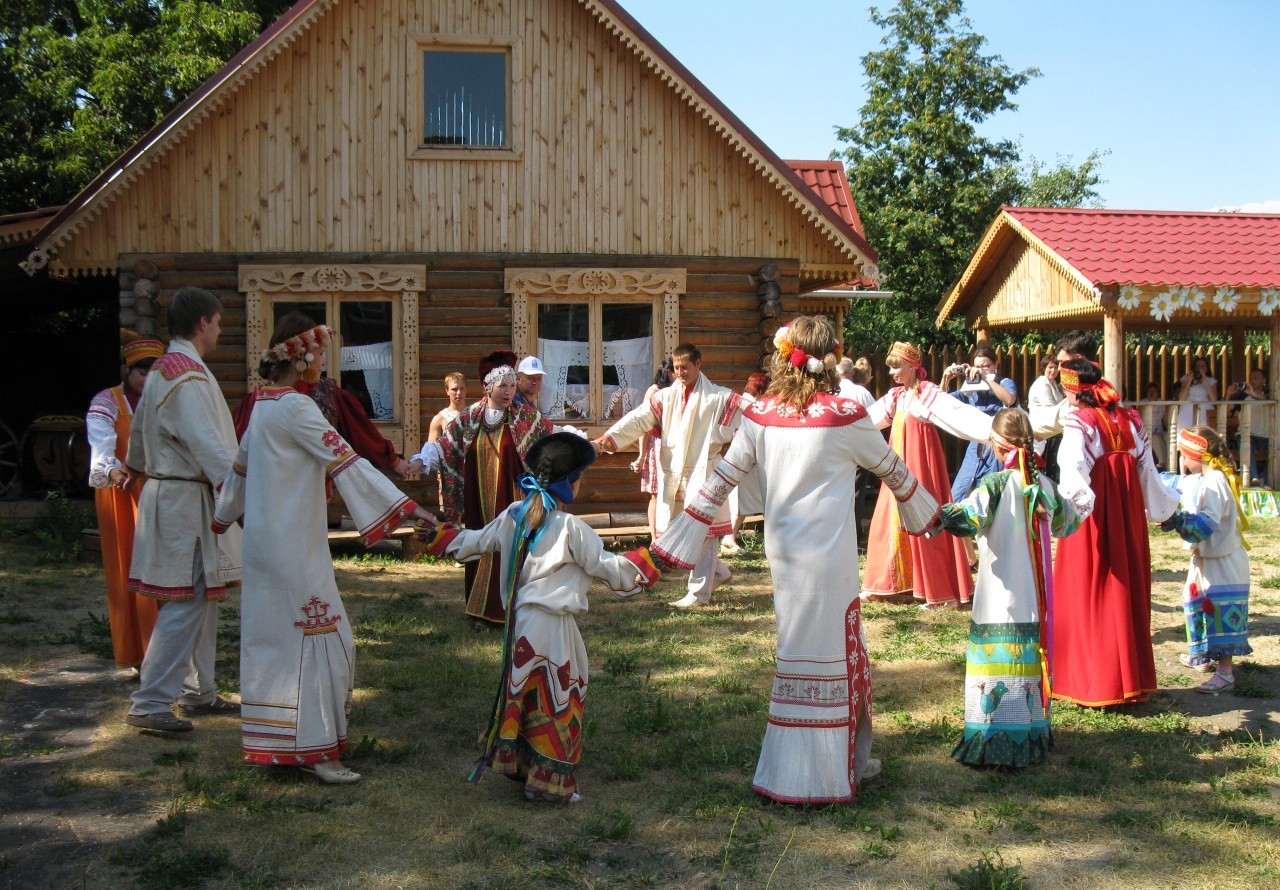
column 1192, row 298
column 1268, row 300
column 1226, row 299
column 1130, row 296
column 1162, row 306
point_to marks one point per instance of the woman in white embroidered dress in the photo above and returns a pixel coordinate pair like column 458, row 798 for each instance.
column 805, row 442
column 296, row 651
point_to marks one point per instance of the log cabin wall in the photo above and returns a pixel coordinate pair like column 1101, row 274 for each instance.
column 318, row 152
column 464, row 314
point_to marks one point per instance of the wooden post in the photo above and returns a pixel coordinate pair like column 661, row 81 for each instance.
column 1239, row 369
column 1273, row 390
column 1113, row 350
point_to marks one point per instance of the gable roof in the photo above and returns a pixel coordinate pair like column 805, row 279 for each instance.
column 1160, row 248
column 210, row 96
column 1151, row 250
column 830, row 182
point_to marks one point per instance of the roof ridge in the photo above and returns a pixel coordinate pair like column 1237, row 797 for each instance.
column 179, row 121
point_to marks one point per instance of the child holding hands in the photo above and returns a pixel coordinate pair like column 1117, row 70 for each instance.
column 1012, row 512
column 1216, row 596
column 548, row 561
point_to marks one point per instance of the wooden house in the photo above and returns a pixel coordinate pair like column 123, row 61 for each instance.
column 1127, row 270
column 437, row 179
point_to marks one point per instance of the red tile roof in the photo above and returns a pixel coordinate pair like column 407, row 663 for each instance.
column 828, row 180
column 1160, row 248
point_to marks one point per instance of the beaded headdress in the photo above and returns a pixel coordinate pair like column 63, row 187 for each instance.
column 500, row 374
column 302, row 349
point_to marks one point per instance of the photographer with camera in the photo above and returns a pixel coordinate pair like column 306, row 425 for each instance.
column 1198, row 391
column 984, row 389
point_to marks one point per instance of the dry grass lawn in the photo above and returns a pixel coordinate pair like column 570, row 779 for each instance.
column 1182, row 791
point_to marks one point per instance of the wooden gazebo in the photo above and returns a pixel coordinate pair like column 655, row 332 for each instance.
column 1122, row 270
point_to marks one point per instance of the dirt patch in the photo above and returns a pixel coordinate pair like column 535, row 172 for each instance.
column 55, row 831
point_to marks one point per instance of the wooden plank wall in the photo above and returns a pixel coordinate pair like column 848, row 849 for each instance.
column 464, row 314
column 313, row 154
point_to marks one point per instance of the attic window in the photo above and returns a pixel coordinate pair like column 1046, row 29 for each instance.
column 464, row 98
column 463, row 91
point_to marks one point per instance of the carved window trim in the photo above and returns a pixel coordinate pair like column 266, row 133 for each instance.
column 264, row 285
column 530, row 286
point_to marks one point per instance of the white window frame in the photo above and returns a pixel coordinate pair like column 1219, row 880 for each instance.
column 266, row 285
column 533, row 287
column 420, row 44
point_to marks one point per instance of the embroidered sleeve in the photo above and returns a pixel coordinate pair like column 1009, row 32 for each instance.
column 616, row 571
column 100, row 426
column 680, row 544
column 1158, row 500
column 968, row 517
column 1075, row 462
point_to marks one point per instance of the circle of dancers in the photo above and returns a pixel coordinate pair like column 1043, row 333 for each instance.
column 214, row 512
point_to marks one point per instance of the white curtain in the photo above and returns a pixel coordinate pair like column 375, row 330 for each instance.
column 632, row 360
column 374, row 359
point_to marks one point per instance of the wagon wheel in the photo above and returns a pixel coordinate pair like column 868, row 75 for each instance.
column 9, row 453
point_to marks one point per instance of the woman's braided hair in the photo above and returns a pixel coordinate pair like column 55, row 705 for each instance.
column 1014, row 426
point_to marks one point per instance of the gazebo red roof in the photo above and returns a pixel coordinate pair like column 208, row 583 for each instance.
column 1158, row 248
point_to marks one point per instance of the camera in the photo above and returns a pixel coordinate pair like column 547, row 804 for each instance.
column 1197, row 376
column 957, row 369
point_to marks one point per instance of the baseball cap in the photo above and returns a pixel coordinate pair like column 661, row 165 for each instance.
column 530, row 365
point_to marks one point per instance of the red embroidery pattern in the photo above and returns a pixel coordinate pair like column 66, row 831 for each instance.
column 335, row 443
column 318, row 619
column 172, row 365
column 823, row 410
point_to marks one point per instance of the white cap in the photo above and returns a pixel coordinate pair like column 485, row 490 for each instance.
column 530, row 365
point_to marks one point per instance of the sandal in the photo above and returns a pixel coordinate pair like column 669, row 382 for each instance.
column 1217, row 683
column 219, row 707
column 332, row 773
column 1205, row 667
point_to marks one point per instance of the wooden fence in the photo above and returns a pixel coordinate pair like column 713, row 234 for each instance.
column 1162, row 366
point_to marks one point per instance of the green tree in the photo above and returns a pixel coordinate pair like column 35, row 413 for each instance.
column 926, row 181
column 82, row 80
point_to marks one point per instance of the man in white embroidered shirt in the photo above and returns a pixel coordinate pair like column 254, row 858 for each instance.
column 697, row 418
column 183, row 441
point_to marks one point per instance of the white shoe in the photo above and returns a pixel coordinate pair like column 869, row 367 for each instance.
column 870, row 770
column 688, row 601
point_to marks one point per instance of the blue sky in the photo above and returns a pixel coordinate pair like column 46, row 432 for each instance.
column 1184, row 95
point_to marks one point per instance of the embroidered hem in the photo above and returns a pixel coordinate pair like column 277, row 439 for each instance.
column 268, row 757
column 1002, row 749
column 178, row 594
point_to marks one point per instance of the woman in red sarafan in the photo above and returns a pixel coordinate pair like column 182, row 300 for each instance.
column 1100, row 623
